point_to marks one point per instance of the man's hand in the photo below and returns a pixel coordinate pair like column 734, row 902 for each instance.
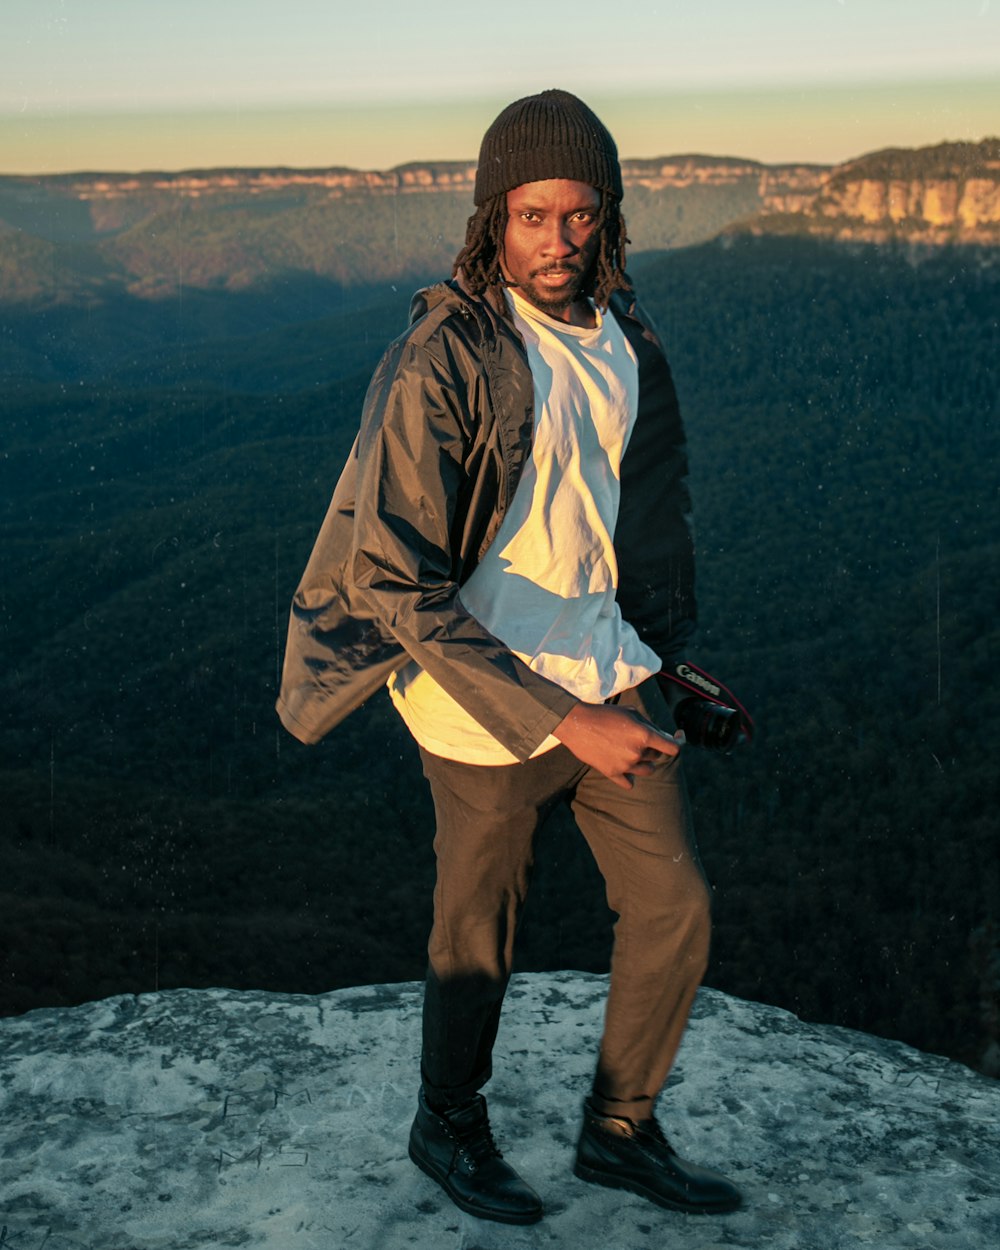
column 616, row 741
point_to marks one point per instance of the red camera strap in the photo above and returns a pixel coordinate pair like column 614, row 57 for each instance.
column 695, row 680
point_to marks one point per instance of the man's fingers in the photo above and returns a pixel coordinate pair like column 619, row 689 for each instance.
column 620, row 743
column 662, row 744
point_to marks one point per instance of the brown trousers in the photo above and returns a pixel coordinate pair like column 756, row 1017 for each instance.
column 642, row 841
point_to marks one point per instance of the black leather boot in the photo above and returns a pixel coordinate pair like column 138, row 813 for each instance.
column 456, row 1148
column 616, row 1152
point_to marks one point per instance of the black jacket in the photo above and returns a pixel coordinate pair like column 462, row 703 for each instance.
column 445, row 433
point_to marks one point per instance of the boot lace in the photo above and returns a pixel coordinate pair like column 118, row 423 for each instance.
column 476, row 1144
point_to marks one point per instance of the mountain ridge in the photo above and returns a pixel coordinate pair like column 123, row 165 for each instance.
column 946, row 193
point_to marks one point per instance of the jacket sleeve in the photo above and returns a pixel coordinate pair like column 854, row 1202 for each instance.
column 654, row 538
column 415, row 478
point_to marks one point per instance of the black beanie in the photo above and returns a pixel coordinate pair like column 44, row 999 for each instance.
column 551, row 135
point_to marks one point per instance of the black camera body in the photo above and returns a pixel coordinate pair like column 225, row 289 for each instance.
column 710, row 725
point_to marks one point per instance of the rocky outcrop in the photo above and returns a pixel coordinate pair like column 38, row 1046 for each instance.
column 212, row 1118
column 945, row 194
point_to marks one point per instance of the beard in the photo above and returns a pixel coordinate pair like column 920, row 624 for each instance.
column 553, row 302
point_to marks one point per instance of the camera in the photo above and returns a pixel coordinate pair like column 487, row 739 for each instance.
column 710, row 725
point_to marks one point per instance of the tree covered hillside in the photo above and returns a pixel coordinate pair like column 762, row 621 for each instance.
column 160, row 829
column 843, row 421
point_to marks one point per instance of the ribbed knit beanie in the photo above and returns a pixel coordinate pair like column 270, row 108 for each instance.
column 550, row 135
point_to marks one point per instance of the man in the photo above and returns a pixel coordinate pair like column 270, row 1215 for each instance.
column 509, row 546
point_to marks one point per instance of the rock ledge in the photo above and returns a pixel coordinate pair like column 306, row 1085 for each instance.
column 213, row 1118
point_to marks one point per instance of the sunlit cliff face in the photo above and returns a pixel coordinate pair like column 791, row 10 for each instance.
column 933, row 202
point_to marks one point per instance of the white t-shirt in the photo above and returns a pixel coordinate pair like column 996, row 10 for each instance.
column 546, row 587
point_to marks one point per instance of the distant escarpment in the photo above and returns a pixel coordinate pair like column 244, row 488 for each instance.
column 84, row 238
column 944, row 194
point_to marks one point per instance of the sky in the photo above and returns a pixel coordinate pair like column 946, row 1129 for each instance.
column 179, row 84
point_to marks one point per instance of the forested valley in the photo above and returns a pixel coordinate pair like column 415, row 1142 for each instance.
column 159, row 828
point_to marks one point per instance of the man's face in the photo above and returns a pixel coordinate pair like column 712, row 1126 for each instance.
column 550, row 242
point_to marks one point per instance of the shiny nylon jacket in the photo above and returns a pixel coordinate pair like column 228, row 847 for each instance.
column 445, row 433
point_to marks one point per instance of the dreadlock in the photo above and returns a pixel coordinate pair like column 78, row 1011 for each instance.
column 479, row 259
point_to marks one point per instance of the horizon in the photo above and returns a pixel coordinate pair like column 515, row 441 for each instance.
column 103, row 87
column 416, row 162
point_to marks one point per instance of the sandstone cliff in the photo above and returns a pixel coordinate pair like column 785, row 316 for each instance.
column 942, row 193
column 945, row 194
